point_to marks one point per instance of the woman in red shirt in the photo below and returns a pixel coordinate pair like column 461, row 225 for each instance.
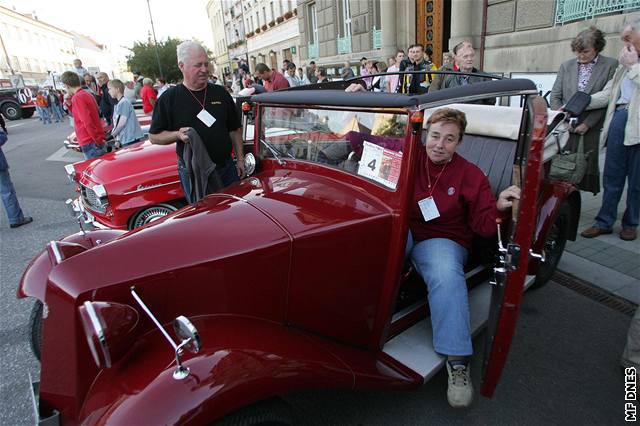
column 148, row 96
column 452, row 202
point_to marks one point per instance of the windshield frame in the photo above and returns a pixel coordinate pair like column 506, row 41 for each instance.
column 284, row 160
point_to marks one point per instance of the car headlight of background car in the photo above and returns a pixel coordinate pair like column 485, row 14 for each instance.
column 95, row 197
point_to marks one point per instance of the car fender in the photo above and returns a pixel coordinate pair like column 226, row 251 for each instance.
column 242, row 361
column 553, row 194
column 34, row 278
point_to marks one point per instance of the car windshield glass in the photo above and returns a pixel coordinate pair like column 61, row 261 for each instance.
column 366, row 144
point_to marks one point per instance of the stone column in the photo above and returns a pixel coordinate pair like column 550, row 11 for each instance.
column 388, row 24
column 463, row 24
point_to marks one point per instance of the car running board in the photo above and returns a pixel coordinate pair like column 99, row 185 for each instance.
column 414, row 346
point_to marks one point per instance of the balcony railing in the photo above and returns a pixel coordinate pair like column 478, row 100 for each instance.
column 377, row 39
column 314, row 50
column 573, row 10
column 344, row 44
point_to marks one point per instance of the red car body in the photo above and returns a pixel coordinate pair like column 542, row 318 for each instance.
column 293, row 278
column 71, row 142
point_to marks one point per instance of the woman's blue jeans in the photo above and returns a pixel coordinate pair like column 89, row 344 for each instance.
column 440, row 262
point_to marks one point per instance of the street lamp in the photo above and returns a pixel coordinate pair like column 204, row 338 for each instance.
column 53, row 78
column 155, row 42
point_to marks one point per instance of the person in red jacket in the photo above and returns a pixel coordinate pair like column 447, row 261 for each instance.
column 148, row 95
column 452, row 201
column 86, row 118
column 271, row 79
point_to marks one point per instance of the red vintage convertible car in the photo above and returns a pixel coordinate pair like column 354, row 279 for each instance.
column 293, row 278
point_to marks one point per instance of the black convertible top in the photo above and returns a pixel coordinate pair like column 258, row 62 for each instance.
column 334, row 97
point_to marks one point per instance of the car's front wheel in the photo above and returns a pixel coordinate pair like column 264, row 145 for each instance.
column 35, row 329
column 153, row 213
column 11, row 111
column 554, row 245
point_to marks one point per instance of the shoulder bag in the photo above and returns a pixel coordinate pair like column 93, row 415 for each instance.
column 568, row 166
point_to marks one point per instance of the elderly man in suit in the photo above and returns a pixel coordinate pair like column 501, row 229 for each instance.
column 588, row 73
column 621, row 132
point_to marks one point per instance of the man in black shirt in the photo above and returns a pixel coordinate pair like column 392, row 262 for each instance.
column 205, row 107
column 106, row 102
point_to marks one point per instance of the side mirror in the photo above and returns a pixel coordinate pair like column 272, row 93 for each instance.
column 249, row 164
column 187, row 332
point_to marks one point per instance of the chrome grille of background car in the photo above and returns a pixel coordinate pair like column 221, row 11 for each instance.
column 91, row 199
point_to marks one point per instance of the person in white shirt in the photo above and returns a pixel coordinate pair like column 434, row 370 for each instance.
column 291, row 76
column 161, row 86
column 303, row 77
column 391, row 82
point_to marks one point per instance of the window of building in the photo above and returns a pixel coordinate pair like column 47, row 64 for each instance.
column 273, row 12
column 312, row 23
column 376, row 14
column 264, row 15
column 344, row 12
column 257, row 20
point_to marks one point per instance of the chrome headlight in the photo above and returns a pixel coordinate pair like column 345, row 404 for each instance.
column 100, row 191
column 71, row 172
column 110, row 329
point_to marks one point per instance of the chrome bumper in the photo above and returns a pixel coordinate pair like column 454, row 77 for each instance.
column 51, row 419
column 82, row 215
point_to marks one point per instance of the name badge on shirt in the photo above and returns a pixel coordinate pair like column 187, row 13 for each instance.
column 429, row 209
column 206, row 118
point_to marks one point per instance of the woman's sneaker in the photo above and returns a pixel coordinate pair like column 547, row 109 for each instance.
column 459, row 388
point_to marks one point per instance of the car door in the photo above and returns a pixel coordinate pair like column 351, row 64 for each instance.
column 511, row 271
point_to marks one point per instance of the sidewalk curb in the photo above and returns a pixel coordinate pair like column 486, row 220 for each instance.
column 600, row 276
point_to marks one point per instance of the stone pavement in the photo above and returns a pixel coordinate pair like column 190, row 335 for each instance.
column 605, row 261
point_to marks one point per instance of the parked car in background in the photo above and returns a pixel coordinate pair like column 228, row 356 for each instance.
column 71, row 142
column 295, row 277
column 16, row 103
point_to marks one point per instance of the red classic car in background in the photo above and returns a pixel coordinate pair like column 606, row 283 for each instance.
column 293, row 278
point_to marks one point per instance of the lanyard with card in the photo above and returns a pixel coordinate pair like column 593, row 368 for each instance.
column 427, row 205
column 204, row 116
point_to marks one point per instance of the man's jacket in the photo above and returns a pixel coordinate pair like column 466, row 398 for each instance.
column 202, row 171
column 459, row 79
column 609, row 96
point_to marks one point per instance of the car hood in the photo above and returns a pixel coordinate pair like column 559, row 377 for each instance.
column 140, row 159
column 222, row 228
column 303, row 202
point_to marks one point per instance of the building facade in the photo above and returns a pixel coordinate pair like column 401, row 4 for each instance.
column 510, row 36
column 272, row 32
column 233, row 13
column 41, row 52
column 333, row 32
column 215, row 13
column 33, row 48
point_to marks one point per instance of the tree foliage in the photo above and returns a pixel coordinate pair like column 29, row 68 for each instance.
column 143, row 59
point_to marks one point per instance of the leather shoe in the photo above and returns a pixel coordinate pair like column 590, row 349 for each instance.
column 628, row 234
column 594, row 231
column 24, row 221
